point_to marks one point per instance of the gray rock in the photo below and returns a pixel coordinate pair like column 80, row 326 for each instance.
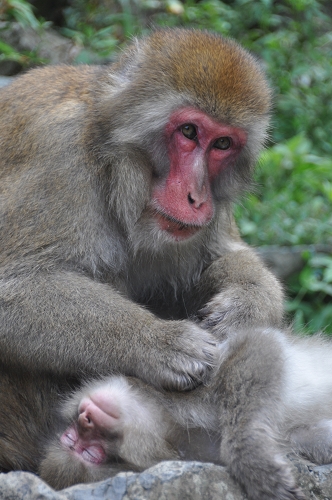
column 165, row 481
column 285, row 261
column 46, row 43
column 5, row 80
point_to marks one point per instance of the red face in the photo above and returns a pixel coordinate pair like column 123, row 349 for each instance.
column 199, row 148
column 84, row 439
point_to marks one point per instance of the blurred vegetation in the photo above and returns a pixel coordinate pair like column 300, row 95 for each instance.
column 19, row 11
column 292, row 202
column 292, row 205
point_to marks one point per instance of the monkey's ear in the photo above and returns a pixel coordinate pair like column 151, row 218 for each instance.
column 129, row 63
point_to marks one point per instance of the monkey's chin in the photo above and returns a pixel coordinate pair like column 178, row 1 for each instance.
column 179, row 231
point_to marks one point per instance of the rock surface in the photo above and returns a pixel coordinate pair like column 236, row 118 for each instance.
column 285, row 261
column 47, row 44
column 5, row 80
column 165, row 481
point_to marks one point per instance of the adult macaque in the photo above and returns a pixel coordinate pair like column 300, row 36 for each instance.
column 119, row 253
column 116, row 189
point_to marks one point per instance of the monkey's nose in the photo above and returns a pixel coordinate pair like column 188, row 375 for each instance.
column 197, row 200
column 85, row 421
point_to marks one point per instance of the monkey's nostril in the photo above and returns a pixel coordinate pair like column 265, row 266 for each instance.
column 191, row 199
column 197, row 201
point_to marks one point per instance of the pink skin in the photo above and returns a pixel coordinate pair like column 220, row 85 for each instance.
column 83, row 437
column 183, row 203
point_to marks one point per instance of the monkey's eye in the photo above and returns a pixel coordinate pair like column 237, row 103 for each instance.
column 223, row 143
column 189, row 131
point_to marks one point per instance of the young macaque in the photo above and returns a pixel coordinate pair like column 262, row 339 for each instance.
column 269, row 389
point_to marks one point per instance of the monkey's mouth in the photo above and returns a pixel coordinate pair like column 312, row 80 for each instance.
column 177, row 229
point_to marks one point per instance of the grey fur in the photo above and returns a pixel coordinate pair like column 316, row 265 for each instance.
column 257, row 407
column 89, row 284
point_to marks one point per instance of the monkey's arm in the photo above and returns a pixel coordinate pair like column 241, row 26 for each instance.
column 240, row 291
column 69, row 324
column 236, row 289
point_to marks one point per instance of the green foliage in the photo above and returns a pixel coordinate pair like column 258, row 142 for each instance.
column 311, row 306
column 20, row 11
column 100, row 30
column 7, row 53
column 292, row 205
column 93, row 28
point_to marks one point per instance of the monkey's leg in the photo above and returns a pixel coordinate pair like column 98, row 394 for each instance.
column 26, row 417
column 113, row 425
column 314, row 441
column 249, row 385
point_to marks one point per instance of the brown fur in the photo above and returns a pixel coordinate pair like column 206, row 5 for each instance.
column 88, row 285
column 74, row 228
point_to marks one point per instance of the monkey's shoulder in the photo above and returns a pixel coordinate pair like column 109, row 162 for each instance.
column 47, row 86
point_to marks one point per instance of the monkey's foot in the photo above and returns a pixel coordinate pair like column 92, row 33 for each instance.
column 271, row 480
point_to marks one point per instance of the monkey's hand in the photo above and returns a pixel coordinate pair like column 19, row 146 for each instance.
column 182, row 358
column 234, row 308
column 240, row 292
